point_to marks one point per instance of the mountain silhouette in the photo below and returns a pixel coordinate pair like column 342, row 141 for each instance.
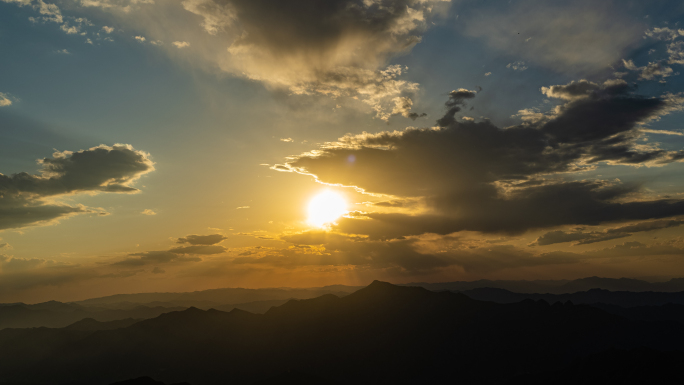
column 90, row 324
column 619, row 298
column 560, row 286
column 55, row 314
column 381, row 334
column 213, row 297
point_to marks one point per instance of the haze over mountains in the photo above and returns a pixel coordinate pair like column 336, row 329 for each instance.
column 55, row 314
column 150, row 305
column 380, row 334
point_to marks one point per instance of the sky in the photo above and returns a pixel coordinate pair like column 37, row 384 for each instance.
column 181, row 145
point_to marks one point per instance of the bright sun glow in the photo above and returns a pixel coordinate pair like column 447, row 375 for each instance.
column 325, row 208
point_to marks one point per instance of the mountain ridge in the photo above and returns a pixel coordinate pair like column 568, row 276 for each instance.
column 383, row 333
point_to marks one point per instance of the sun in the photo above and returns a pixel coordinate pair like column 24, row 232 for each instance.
column 326, row 208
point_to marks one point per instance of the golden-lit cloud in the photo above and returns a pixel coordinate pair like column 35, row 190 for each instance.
column 476, row 176
column 5, row 100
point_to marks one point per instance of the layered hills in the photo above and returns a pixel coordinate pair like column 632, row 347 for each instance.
column 381, row 334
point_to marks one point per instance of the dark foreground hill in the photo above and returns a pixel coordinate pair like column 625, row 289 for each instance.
column 382, row 334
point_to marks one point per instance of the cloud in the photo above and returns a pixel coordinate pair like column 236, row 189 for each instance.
column 202, row 239
column 476, row 176
column 586, row 237
column 650, row 71
column 457, row 100
column 638, row 249
column 676, row 52
column 18, row 2
column 181, row 44
column 198, row 245
column 148, row 212
column 660, row 69
column 411, row 255
column 199, row 249
column 664, row 33
column 402, row 106
column 338, row 48
column 579, row 37
column 51, row 13
column 18, row 274
column 5, row 100
column 140, row 38
column 70, row 30
column 63, row 51
column 517, row 66
column 287, row 140
column 581, row 89
column 27, row 199
column 108, row 30
column 152, row 258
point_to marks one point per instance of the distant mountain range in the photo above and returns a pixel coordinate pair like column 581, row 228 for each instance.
column 381, row 334
column 622, row 292
column 561, row 286
column 56, row 314
column 213, row 298
column 593, row 296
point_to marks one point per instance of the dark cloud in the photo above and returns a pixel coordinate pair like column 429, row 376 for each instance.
column 305, row 26
column 578, row 203
column 153, row 258
column 586, row 237
column 476, row 176
column 334, row 47
column 24, row 197
column 202, row 239
column 18, row 213
column 395, row 203
column 560, row 236
column 457, row 100
column 638, row 249
column 585, row 89
column 199, row 249
column 198, row 245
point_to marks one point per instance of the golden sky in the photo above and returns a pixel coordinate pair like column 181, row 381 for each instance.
column 185, row 145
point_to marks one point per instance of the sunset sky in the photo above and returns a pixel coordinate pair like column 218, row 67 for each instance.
column 178, row 145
